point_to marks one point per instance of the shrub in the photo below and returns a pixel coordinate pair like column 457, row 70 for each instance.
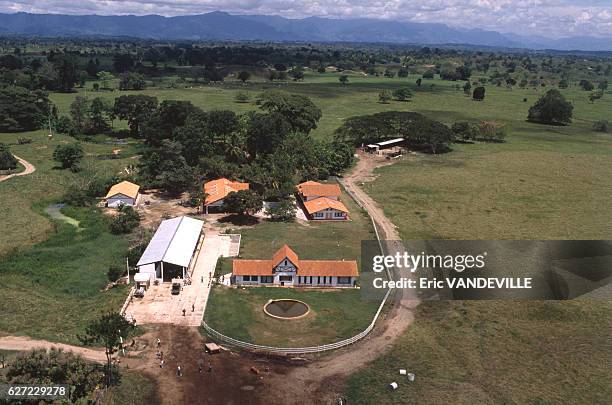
column 68, row 155
column 479, row 93
column 7, row 160
column 283, row 211
column 114, row 272
column 491, row 131
column 428, row 75
column 552, row 108
column 125, row 221
column 601, row 126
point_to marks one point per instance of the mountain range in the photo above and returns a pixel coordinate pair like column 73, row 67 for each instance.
column 222, row 26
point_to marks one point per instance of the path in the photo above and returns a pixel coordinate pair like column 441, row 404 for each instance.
column 19, row 343
column 29, row 168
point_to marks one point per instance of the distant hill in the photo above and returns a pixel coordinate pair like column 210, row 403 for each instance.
column 223, row 26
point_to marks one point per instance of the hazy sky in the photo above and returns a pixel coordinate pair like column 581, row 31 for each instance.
column 551, row 18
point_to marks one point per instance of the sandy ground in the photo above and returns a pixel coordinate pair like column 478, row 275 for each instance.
column 29, row 168
column 25, row 343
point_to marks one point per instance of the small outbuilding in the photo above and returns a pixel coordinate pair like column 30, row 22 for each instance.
column 217, row 190
column 124, row 193
column 391, row 143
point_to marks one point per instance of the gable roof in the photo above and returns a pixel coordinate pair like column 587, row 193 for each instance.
column 286, row 252
column 126, row 188
column 312, row 188
column 338, row 268
column 173, row 242
column 323, row 203
column 219, row 189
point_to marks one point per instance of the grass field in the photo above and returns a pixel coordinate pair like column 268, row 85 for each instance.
column 333, row 316
column 496, row 353
column 52, row 290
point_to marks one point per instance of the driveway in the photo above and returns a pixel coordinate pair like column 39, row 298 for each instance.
column 29, row 168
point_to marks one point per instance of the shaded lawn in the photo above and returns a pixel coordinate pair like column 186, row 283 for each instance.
column 51, row 290
column 334, row 315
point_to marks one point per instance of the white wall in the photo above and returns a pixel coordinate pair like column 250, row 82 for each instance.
column 119, row 199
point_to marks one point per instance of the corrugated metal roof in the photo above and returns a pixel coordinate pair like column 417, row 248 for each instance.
column 389, row 142
column 173, row 242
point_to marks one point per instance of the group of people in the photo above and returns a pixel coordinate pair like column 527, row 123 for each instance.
column 179, row 371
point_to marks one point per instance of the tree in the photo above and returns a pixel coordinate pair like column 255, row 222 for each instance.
column 403, row 72
column 428, row 74
column 264, row 132
column 343, row 79
column 79, row 111
column 164, row 166
column 464, row 131
column 552, row 108
column 402, row 94
column 601, row 126
column 131, row 81
column 55, row 366
column 563, row 84
column 242, row 97
column 23, row 110
column 479, row 93
column 244, row 76
column 105, row 79
column 419, row 81
column 467, row 87
column 297, row 73
column 136, row 109
column 125, row 221
column 586, row 85
column 283, row 211
column 384, row 96
column 243, row 202
column 596, row 95
column 123, row 62
column 170, row 115
column 7, row 160
column 299, row 111
column 603, row 85
column 110, row 330
column 99, row 115
column 67, row 72
column 68, row 156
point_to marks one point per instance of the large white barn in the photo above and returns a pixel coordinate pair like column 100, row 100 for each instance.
column 171, row 250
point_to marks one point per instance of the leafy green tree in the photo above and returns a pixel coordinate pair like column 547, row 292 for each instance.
column 563, row 84
column 55, row 366
column 464, row 131
column 105, row 79
column 552, row 108
column 264, row 132
column 100, row 113
column 7, row 160
column 428, row 74
column 66, row 68
column 299, row 111
column 243, row 202
column 69, row 155
column 403, row 72
column 402, row 94
column 586, row 85
column 136, row 109
column 603, row 85
column 123, row 62
column 170, row 115
column 343, row 79
column 596, row 95
column 164, row 166
column 467, row 87
column 297, row 73
column 125, row 221
column 479, row 93
column 79, row 111
column 283, row 211
column 110, row 330
column 384, row 96
column 23, row 110
column 132, row 81
column 244, row 76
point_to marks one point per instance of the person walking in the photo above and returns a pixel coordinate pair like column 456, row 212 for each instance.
column 158, row 342
column 161, row 363
column 183, row 311
column 192, row 307
column 179, row 373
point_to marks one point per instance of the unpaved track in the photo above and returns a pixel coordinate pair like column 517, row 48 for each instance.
column 19, row 343
column 29, row 168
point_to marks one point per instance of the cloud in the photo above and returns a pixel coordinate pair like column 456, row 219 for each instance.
column 551, row 18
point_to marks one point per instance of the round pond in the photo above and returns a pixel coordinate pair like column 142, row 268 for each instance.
column 286, row 309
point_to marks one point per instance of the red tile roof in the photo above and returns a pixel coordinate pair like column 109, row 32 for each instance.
column 314, row 189
column 323, row 203
column 219, row 189
column 339, row 268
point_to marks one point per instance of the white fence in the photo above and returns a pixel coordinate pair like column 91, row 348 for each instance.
column 312, row 349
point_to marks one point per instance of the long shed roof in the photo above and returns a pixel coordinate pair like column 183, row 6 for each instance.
column 173, row 242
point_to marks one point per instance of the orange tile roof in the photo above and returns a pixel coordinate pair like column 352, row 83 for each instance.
column 286, row 252
column 323, row 190
column 323, row 203
column 218, row 189
column 126, row 188
column 307, row 183
column 338, row 268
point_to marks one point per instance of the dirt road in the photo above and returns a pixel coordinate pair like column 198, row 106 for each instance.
column 19, row 343
column 29, row 168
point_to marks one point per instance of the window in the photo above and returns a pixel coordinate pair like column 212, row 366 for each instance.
column 286, row 278
column 319, row 215
column 344, row 280
column 338, row 214
column 254, row 278
column 246, row 278
column 267, row 279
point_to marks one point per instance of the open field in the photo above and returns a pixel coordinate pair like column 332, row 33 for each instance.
column 23, row 199
column 496, row 352
column 334, row 315
column 52, row 290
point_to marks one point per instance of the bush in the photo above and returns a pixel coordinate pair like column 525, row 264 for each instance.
column 114, row 272
column 479, row 93
column 428, row 75
column 242, row 97
column 601, row 126
column 7, row 160
column 552, row 108
column 126, row 221
column 464, row 131
column 68, row 155
column 491, row 131
column 64, row 125
column 283, row 211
